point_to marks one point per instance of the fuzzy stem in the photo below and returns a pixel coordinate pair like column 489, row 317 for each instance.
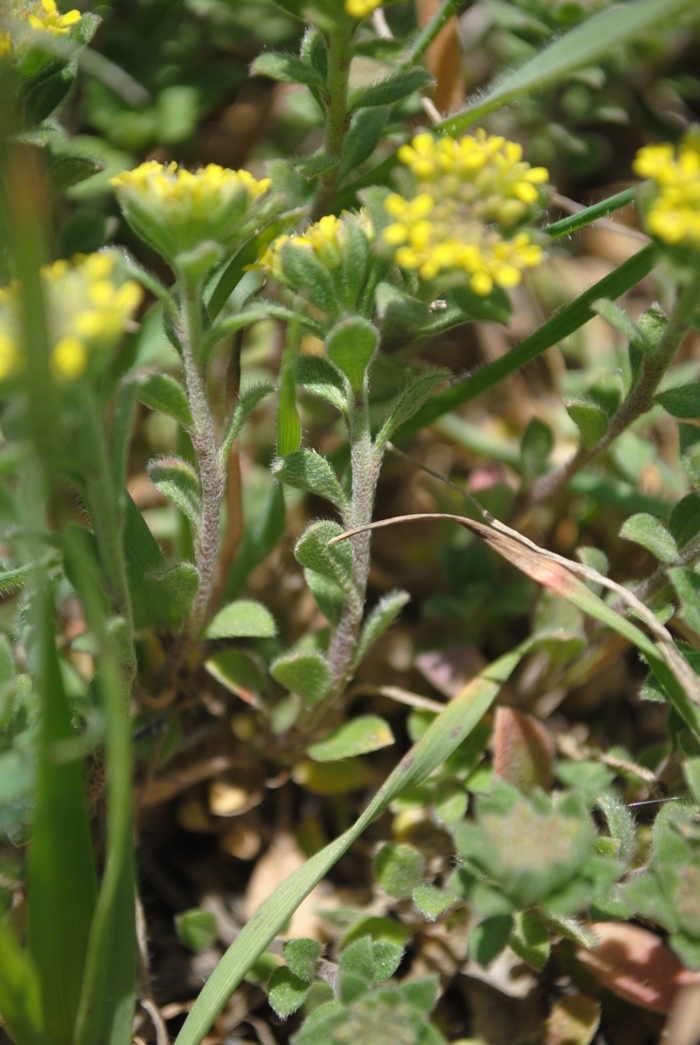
column 337, row 117
column 364, row 463
column 639, row 400
column 211, row 473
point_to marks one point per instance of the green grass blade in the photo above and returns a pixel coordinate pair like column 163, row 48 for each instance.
column 581, row 46
column 61, row 885
column 20, row 994
column 107, row 1001
column 588, row 215
column 562, row 325
column 447, row 731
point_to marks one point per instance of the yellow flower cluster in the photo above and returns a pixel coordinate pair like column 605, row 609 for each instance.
column 176, row 210
column 87, row 309
column 326, row 239
column 673, row 210
column 41, row 14
column 468, row 193
column 47, row 17
column 361, row 8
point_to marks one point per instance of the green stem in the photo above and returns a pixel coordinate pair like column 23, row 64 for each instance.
column 638, row 402
column 337, row 117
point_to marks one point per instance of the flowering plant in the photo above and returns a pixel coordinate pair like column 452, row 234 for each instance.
column 322, row 278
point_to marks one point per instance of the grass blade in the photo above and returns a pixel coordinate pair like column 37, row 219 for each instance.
column 581, row 46
column 562, row 325
column 447, row 731
column 61, row 884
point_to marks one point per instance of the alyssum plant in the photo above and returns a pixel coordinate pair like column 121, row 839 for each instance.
column 444, row 245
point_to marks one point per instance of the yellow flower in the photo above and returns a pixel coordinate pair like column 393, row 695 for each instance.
column 5, row 43
column 50, row 19
column 87, row 310
column 177, row 210
column 361, row 8
column 468, row 193
column 327, row 240
column 672, row 207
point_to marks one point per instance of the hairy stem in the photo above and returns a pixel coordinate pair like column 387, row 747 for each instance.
column 639, row 400
column 365, row 463
column 337, row 118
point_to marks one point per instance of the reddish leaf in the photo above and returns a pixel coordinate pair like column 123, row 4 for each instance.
column 523, row 751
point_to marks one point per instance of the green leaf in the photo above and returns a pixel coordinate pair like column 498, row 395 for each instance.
column 329, row 597
column 310, row 471
column 684, row 522
column 350, row 346
column 239, row 672
column 689, row 440
column 286, row 992
column 681, row 401
column 355, row 970
column 286, row 68
column 589, row 418
column 152, row 605
column 620, row 825
column 488, row 938
column 301, row 956
column 410, row 400
column 288, row 423
column 386, row 958
column 535, row 447
column 20, row 994
column 179, row 579
column 68, row 170
column 176, row 479
column 363, row 138
column 431, row 901
column 305, row 672
column 581, row 46
column 61, row 879
column 648, row 531
column 120, row 432
column 687, row 586
column 317, row 376
column 243, row 618
column 394, row 89
column 335, row 562
column 529, row 939
column 618, row 319
column 162, row 392
column 196, row 928
column 421, row 992
column 305, row 272
column 399, row 869
column 247, row 402
column 356, row 737
column 381, row 617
